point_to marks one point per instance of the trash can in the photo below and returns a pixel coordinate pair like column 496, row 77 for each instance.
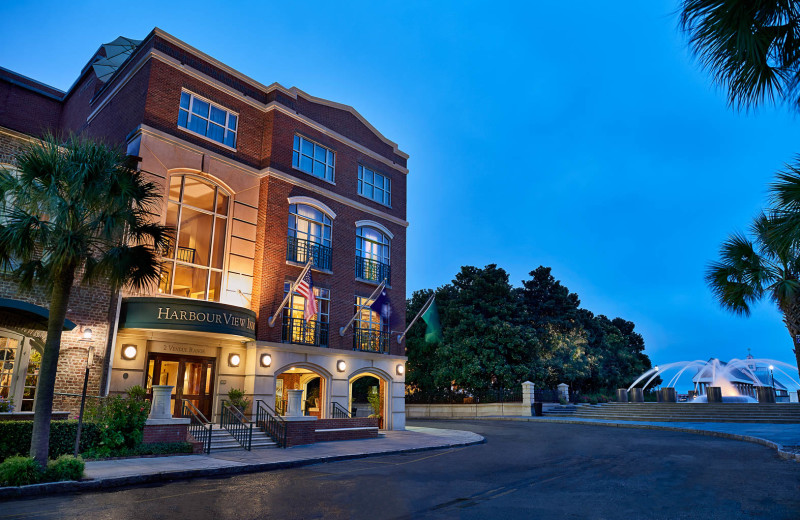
column 537, row 409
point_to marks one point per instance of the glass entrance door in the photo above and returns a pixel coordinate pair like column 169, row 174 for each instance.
column 192, row 378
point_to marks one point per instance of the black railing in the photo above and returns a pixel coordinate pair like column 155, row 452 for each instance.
column 199, row 426
column 186, row 254
column 301, row 250
column 238, row 426
column 370, row 340
column 372, row 270
column 298, row 330
column 271, row 423
column 463, row 396
column 339, row 412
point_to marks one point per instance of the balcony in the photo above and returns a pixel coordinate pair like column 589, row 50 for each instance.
column 300, row 250
column 300, row 332
column 372, row 270
column 370, row 340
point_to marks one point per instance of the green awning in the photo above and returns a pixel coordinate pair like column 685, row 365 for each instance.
column 35, row 313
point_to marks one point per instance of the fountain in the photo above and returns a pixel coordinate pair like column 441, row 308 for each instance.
column 737, row 381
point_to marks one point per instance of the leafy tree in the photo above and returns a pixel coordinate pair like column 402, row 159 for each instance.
column 764, row 266
column 751, row 47
column 73, row 210
column 547, row 302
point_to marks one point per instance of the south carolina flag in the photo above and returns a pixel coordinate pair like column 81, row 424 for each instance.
column 383, row 307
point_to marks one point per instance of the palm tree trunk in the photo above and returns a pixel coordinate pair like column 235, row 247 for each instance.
column 791, row 317
column 45, row 387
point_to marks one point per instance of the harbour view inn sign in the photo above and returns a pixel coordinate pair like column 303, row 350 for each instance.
column 187, row 315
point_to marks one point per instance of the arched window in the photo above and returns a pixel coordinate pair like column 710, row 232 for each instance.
column 295, row 328
column 370, row 331
column 372, row 255
column 309, row 236
column 198, row 210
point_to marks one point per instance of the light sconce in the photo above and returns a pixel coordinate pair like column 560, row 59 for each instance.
column 341, row 366
column 401, row 369
column 266, row 360
column 87, row 334
column 234, row 360
column 129, row 352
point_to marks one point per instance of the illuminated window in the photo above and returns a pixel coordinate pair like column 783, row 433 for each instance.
column 372, row 255
column 208, row 119
column 313, row 158
column 374, row 186
column 199, row 211
column 309, row 236
column 370, row 332
column 295, row 327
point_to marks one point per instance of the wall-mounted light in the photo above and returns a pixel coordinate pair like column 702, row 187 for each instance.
column 341, row 366
column 87, row 334
column 129, row 352
column 266, row 360
column 401, row 369
column 234, row 360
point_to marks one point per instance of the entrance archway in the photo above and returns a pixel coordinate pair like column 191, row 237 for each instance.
column 369, row 396
column 312, row 380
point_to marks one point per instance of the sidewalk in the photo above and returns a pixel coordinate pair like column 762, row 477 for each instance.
column 113, row 473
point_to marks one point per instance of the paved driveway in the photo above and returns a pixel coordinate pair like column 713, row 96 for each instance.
column 525, row 470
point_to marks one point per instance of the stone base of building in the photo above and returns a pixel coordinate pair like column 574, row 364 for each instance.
column 323, row 430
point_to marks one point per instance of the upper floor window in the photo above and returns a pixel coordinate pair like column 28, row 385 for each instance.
column 309, row 236
column 295, row 328
column 374, row 186
column 198, row 211
column 370, row 331
column 372, row 255
column 208, row 119
column 310, row 157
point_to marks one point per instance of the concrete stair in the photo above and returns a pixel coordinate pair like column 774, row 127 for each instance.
column 221, row 440
column 780, row 413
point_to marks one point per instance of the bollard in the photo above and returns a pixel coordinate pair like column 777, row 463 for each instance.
column 766, row 394
column 637, row 395
column 714, row 394
column 669, row 395
column 622, row 395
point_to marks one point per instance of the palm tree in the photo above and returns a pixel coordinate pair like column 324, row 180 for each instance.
column 764, row 267
column 71, row 210
column 752, row 47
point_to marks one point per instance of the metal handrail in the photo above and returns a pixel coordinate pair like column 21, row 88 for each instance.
column 233, row 420
column 199, row 427
column 373, row 270
column 301, row 250
column 370, row 340
column 339, row 412
column 299, row 331
column 271, row 423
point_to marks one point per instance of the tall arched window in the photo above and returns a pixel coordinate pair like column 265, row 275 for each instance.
column 309, row 236
column 198, row 210
column 372, row 255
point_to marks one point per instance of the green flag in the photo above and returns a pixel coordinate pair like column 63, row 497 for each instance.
column 433, row 331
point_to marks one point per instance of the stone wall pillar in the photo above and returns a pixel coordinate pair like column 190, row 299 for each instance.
column 294, row 402
column 563, row 391
column 160, row 425
column 527, row 393
column 622, row 395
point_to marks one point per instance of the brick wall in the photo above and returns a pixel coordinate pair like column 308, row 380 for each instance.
column 26, row 111
column 307, row 432
column 165, row 433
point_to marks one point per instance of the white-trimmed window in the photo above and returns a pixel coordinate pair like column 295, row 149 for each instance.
column 208, row 119
column 192, row 267
column 372, row 255
column 295, row 328
column 375, row 186
column 313, row 158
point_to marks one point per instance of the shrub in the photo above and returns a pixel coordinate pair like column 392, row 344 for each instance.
column 374, row 402
column 561, row 400
column 593, row 400
column 66, row 467
column 15, row 437
column 20, row 471
column 137, row 393
column 237, row 399
column 6, row 405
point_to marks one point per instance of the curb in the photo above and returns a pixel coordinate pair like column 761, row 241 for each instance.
column 73, row 486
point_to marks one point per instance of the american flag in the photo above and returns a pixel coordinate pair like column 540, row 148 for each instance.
column 306, row 289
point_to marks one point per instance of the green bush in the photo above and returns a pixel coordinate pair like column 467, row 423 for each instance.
column 20, row 471
column 15, row 437
column 592, row 400
column 66, row 467
column 237, row 399
column 120, row 422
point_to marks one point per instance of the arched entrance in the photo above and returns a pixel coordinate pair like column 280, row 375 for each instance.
column 368, row 396
column 312, row 380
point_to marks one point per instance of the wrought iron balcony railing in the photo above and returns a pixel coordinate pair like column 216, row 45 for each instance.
column 300, row 250
column 297, row 330
column 370, row 340
column 369, row 269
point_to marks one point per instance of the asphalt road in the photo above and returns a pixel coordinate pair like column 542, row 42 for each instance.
column 525, row 470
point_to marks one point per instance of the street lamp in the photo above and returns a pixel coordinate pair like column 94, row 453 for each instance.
column 87, row 337
column 772, row 376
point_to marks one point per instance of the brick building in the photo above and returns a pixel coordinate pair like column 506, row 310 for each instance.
column 258, row 181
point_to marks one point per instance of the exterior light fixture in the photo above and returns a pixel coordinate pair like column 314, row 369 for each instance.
column 129, row 352
column 234, row 360
column 655, row 368
column 401, row 369
column 87, row 334
column 266, row 360
column 341, row 366
column 771, row 367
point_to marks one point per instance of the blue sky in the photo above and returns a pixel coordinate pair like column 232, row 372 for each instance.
column 584, row 138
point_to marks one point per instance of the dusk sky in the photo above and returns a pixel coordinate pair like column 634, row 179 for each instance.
column 584, row 138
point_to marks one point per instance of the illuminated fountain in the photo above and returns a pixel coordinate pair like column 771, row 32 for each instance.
column 738, row 380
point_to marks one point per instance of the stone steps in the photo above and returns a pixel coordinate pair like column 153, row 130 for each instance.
column 683, row 412
column 221, row 440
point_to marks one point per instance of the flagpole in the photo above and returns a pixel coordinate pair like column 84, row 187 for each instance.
column 342, row 330
column 271, row 321
column 420, row 313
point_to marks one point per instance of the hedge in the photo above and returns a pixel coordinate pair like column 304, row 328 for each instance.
column 15, row 437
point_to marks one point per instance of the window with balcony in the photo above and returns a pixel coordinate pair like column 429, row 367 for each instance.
column 309, row 236
column 372, row 255
column 208, row 119
column 295, row 327
column 370, row 332
column 375, row 186
column 192, row 266
column 313, row 158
